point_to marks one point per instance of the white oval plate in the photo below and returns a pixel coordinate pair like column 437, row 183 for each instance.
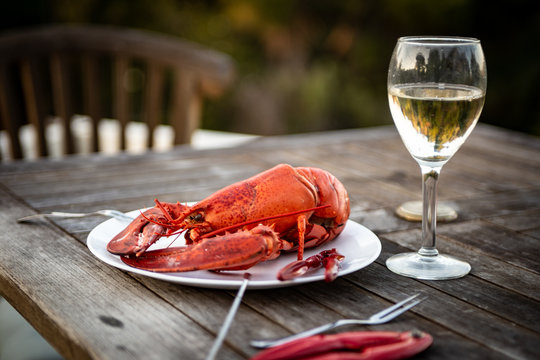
column 359, row 245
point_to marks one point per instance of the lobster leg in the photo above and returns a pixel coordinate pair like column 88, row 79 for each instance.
column 301, row 223
column 236, row 251
column 360, row 345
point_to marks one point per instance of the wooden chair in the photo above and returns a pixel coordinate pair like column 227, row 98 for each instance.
column 103, row 71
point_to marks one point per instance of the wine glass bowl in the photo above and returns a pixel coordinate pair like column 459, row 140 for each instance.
column 436, row 91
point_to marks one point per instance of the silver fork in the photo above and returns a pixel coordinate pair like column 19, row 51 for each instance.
column 378, row 318
column 109, row 213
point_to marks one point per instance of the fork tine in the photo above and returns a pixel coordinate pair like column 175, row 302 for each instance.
column 395, row 306
column 403, row 309
column 397, row 309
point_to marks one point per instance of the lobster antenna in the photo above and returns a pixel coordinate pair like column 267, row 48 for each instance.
column 165, row 212
column 235, row 226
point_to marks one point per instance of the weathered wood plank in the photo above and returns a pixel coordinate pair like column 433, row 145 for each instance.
column 517, row 249
column 518, row 221
column 209, row 307
column 442, row 308
column 123, row 186
column 494, row 270
column 104, row 315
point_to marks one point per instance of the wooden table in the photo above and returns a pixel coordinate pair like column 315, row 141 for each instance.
column 88, row 309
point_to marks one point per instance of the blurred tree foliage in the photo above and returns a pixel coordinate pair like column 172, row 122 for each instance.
column 308, row 65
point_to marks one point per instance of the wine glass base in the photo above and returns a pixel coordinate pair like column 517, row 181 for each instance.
column 412, row 211
column 438, row 267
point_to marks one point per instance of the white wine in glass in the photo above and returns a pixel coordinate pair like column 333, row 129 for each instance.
column 436, row 91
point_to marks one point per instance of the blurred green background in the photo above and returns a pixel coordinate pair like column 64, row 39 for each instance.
column 309, row 65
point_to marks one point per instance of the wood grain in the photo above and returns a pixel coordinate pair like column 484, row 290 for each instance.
column 88, row 309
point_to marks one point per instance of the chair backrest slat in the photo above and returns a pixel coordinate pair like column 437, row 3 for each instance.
column 153, row 98
column 185, row 106
column 91, row 94
column 121, row 95
column 10, row 117
column 62, row 97
column 31, row 86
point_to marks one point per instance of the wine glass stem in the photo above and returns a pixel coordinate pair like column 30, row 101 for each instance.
column 430, row 176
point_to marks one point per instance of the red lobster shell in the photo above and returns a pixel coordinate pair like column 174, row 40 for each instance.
column 253, row 220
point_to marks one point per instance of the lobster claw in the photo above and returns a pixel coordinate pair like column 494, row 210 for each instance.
column 145, row 230
column 365, row 345
column 138, row 235
column 235, row 251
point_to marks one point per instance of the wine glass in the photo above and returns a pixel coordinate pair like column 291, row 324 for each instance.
column 436, row 91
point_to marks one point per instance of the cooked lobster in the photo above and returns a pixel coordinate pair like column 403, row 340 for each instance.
column 253, row 220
